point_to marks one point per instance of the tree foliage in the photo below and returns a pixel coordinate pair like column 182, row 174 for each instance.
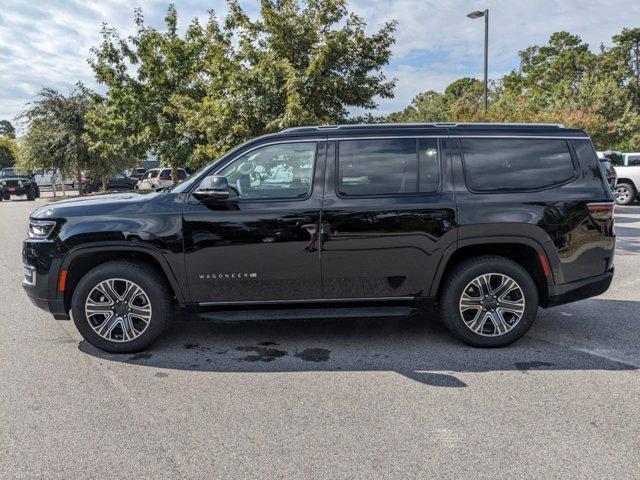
column 187, row 98
column 560, row 82
column 7, row 129
column 56, row 132
column 8, row 151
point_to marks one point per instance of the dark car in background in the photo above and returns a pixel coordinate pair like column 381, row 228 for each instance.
column 489, row 222
column 119, row 181
column 137, row 172
column 14, row 183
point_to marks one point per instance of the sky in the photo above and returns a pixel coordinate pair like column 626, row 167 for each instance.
column 47, row 43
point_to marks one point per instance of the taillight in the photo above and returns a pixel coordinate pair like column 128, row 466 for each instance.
column 601, row 211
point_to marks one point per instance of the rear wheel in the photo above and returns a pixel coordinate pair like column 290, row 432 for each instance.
column 122, row 306
column 31, row 195
column 489, row 301
column 624, row 193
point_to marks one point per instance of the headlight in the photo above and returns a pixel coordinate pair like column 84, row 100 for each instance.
column 3, row 183
column 40, row 228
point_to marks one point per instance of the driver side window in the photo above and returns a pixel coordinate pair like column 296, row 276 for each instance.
column 274, row 171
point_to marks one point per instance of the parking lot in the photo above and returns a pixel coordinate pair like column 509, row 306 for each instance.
column 366, row 398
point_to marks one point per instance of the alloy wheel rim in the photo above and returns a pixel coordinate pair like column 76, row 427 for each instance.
column 622, row 194
column 492, row 304
column 118, row 310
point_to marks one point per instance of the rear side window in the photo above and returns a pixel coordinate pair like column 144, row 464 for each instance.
column 388, row 166
column 511, row 164
column 154, row 173
column 182, row 174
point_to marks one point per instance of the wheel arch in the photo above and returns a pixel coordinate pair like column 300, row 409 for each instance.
column 81, row 260
column 627, row 180
column 525, row 251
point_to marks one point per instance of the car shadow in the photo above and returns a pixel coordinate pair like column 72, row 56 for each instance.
column 417, row 347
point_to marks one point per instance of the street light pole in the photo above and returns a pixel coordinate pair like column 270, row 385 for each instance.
column 486, row 58
column 485, row 14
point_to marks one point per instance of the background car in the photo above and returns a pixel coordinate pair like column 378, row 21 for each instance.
column 14, row 183
column 119, row 181
column 158, row 178
column 47, row 177
column 137, row 172
column 627, row 166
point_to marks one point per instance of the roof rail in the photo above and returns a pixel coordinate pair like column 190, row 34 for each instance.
column 420, row 124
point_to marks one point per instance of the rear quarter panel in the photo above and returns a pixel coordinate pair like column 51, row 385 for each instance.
column 556, row 218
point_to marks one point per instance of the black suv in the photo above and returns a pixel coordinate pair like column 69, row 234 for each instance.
column 488, row 221
column 13, row 183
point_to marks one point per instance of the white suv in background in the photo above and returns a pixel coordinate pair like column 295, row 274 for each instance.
column 158, row 178
column 628, row 187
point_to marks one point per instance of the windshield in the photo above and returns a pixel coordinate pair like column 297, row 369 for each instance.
column 8, row 172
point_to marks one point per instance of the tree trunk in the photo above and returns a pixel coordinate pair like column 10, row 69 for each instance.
column 53, row 186
column 174, row 173
column 63, row 187
column 79, row 174
column 105, row 180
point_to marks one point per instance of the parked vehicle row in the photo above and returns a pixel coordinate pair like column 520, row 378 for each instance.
column 153, row 179
column 487, row 221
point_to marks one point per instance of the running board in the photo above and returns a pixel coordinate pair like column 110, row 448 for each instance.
column 322, row 313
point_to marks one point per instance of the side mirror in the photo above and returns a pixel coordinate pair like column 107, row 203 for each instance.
column 214, row 187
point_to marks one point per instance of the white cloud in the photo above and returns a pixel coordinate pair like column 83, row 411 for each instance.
column 47, row 44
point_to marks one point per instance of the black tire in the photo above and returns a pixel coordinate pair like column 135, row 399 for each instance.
column 149, row 280
column 460, row 278
column 7, row 197
column 624, row 193
column 31, row 195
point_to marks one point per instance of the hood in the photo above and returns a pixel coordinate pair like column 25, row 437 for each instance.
column 106, row 204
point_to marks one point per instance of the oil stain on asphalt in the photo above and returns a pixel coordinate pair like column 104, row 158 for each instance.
column 314, row 355
column 264, row 352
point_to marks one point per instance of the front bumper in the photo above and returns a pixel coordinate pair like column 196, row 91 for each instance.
column 580, row 289
column 15, row 191
column 42, row 261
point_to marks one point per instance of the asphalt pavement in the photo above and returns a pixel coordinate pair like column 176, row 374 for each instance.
column 353, row 399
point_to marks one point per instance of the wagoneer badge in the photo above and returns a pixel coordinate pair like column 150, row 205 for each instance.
column 216, row 276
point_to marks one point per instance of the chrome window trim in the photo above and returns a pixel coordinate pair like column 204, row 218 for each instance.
column 382, row 137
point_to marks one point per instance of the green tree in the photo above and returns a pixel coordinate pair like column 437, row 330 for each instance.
column 55, row 135
column 627, row 51
column 555, row 69
column 6, row 129
column 146, row 74
column 189, row 98
column 8, row 151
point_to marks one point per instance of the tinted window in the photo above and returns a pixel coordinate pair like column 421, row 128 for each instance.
column 387, row 166
column 273, row 171
column 154, row 173
column 516, row 164
column 429, row 165
column 182, row 174
column 634, row 160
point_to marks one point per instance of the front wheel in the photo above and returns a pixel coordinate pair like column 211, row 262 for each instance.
column 489, row 301
column 31, row 195
column 122, row 306
column 624, row 193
